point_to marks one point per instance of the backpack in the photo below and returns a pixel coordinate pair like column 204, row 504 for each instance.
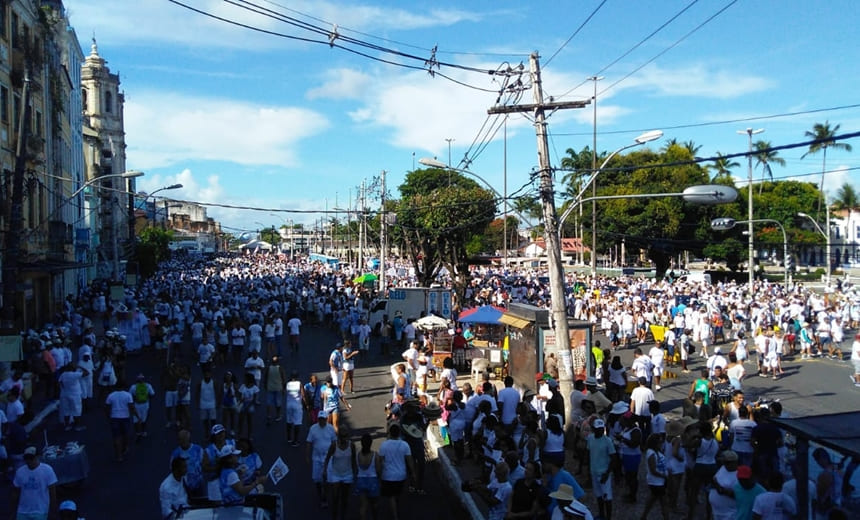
column 141, row 393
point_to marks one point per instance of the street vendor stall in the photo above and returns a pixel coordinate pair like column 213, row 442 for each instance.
column 439, row 331
column 488, row 335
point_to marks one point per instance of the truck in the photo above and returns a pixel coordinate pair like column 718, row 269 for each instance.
column 410, row 302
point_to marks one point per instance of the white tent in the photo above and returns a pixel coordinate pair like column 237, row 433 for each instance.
column 256, row 245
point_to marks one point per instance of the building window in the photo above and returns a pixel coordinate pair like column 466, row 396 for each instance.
column 4, row 104
column 3, row 18
column 37, row 124
column 16, row 110
column 16, row 42
column 84, row 99
column 108, row 102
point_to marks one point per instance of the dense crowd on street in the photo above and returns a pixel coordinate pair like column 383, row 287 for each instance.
column 223, row 327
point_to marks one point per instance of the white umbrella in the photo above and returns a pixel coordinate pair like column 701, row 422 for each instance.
column 432, row 322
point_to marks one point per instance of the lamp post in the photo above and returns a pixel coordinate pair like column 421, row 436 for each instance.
column 155, row 209
column 750, row 240
column 593, row 79
column 826, row 237
column 725, row 223
column 647, row 137
column 433, row 163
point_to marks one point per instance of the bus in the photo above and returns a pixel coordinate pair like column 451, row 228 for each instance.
column 331, row 261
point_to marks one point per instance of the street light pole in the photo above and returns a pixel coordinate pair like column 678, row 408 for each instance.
column 594, row 79
column 750, row 239
column 826, row 237
column 724, row 224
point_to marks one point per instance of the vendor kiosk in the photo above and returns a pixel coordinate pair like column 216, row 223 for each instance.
column 530, row 339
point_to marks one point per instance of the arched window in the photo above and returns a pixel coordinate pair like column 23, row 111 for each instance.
column 108, row 101
column 84, row 99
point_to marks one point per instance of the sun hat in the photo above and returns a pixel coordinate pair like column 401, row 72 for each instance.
column 216, row 429
column 539, row 376
column 322, row 415
column 619, row 408
column 553, row 383
column 228, row 450
column 68, row 505
column 432, row 411
column 412, row 430
column 564, row 492
column 30, row 451
column 598, row 423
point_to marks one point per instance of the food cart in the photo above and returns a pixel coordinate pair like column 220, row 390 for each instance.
column 488, row 336
column 439, row 331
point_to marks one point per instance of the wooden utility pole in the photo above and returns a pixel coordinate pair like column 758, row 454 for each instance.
column 382, row 245
column 15, row 217
column 551, row 237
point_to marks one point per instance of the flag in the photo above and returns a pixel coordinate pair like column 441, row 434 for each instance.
column 278, row 471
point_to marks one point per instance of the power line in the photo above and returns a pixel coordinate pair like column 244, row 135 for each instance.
column 583, row 24
column 430, row 64
column 670, row 47
column 631, row 49
column 388, row 40
column 715, row 123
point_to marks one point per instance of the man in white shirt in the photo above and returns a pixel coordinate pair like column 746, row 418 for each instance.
column 396, row 460
column 320, row 438
column 34, row 487
column 509, row 398
column 656, row 355
column 255, row 336
column 410, row 355
column 642, row 366
column 71, row 396
column 294, row 325
column 716, row 360
column 171, row 493
column 120, row 409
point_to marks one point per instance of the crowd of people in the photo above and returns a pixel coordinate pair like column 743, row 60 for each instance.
column 240, row 316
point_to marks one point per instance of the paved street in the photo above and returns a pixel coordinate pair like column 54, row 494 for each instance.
column 130, row 490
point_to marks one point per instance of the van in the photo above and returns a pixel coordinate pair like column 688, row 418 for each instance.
column 696, row 277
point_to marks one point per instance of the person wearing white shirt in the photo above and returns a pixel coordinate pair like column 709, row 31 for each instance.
column 171, row 492
column 255, row 336
column 509, row 398
column 657, row 355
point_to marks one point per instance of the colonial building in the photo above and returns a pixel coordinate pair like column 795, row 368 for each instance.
column 104, row 154
column 39, row 151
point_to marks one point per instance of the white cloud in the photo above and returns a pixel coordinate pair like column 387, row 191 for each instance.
column 147, row 21
column 166, row 128
column 341, row 83
column 696, row 80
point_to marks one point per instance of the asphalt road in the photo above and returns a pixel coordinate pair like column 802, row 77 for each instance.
column 129, row 490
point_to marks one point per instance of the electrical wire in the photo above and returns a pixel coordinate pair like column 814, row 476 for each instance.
column 583, row 24
column 670, row 47
column 631, row 49
column 347, row 49
column 714, row 123
column 388, row 40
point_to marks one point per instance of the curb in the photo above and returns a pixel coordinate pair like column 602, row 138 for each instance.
column 46, row 411
column 453, row 478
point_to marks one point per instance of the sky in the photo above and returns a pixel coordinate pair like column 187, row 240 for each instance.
column 294, row 126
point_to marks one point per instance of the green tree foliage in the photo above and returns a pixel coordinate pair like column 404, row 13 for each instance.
column 764, row 158
column 152, row 248
column 846, row 198
column 722, row 167
column 442, row 217
column 823, row 138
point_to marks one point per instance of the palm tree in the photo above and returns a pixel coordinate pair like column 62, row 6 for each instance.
column 846, row 198
column 822, row 135
column 692, row 147
column 765, row 157
column 722, row 165
column 669, row 143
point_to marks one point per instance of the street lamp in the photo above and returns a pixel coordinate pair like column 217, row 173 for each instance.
column 725, row 224
column 750, row 241
column 176, row 186
column 125, row 175
column 647, row 137
column 826, row 236
column 433, row 163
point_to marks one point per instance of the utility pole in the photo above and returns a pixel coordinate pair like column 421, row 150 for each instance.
column 558, row 310
column 361, row 229
column 595, row 79
column 382, row 237
column 16, row 216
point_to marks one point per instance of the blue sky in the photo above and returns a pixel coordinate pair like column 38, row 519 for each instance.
column 249, row 119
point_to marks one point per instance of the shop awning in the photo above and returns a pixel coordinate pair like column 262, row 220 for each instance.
column 513, row 321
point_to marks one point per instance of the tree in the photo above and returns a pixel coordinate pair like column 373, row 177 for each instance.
column 764, row 157
column 823, row 138
column 846, row 198
column 692, row 147
column 723, row 166
column 153, row 247
column 441, row 218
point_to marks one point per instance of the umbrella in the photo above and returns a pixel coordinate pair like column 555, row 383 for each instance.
column 366, row 277
column 432, row 322
column 483, row 314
